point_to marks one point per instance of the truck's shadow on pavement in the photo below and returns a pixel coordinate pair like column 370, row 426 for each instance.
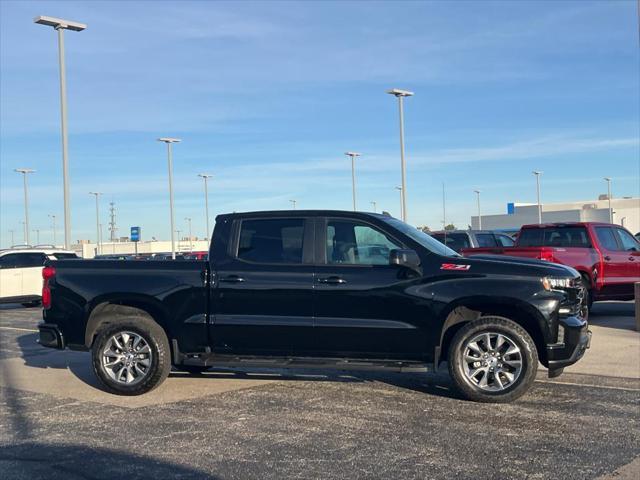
column 79, row 364
column 41, row 460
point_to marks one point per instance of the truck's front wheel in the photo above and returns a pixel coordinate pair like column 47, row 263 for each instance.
column 131, row 357
column 493, row 359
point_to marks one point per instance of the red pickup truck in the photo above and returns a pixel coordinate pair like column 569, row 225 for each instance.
column 607, row 256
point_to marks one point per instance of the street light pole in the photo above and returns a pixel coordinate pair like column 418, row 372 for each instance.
column 188, row 219
column 400, row 94
column 205, row 177
column 477, row 192
column 37, row 232
column 399, row 188
column 170, row 141
column 60, row 26
column 12, row 238
column 608, row 180
column 537, row 174
column 53, row 218
column 25, row 172
column 374, row 206
column 294, row 202
column 97, row 195
column 353, row 156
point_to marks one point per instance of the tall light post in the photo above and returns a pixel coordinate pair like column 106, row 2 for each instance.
column 97, row 195
column 537, row 174
column 608, row 180
column 11, row 232
column 169, row 141
column 294, row 203
column 400, row 94
column 25, row 172
column 477, row 192
column 399, row 188
column 205, row 177
column 188, row 219
column 374, row 204
column 60, row 26
column 178, row 232
column 353, row 156
column 53, row 219
column 37, row 232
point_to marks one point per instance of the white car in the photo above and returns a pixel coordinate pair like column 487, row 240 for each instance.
column 21, row 273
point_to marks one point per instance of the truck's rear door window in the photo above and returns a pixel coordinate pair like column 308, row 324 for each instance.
column 277, row 240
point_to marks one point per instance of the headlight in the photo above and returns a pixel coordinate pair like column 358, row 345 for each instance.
column 550, row 283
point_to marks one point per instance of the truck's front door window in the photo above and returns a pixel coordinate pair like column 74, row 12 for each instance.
column 271, row 240
column 351, row 243
column 629, row 244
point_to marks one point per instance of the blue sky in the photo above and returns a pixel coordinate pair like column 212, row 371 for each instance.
column 268, row 96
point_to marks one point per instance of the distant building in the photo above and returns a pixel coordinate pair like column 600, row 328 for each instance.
column 626, row 212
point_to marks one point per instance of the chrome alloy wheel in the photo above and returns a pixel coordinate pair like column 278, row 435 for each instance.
column 127, row 358
column 491, row 361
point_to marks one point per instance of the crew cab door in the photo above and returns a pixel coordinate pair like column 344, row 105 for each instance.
column 621, row 260
column 262, row 296
column 360, row 306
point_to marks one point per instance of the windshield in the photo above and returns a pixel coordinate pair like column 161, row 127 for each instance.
column 422, row 238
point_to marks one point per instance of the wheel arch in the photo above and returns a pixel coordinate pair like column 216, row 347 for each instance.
column 118, row 309
column 467, row 310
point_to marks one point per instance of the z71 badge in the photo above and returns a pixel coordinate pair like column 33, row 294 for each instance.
column 454, row 266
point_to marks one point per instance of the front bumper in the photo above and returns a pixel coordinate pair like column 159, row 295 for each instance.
column 577, row 338
column 50, row 336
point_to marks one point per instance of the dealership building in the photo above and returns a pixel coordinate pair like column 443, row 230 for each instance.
column 626, row 212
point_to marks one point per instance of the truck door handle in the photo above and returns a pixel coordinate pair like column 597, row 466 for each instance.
column 232, row 279
column 332, row 280
column 607, row 258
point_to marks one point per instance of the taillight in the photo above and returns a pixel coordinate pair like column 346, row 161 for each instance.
column 47, row 274
column 546, row 256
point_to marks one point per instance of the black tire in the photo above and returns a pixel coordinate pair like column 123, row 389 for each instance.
column 589, row 292
column 160, row 361
column 192, row 369
column 514, row 333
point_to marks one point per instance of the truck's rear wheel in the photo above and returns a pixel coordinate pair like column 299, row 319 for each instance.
column 493, row 359
column 131, row 357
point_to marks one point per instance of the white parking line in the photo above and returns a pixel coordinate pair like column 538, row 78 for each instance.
column 19, row 329
column 573, row 384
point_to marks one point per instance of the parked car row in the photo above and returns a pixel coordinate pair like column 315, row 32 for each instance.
column 459, row 239
column 154, row 256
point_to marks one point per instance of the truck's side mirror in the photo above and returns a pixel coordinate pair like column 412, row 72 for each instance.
column 404, row 258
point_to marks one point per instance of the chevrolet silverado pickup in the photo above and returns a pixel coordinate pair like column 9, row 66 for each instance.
column 328, row 289
column 607, row 256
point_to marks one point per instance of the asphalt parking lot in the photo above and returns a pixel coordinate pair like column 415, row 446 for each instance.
column 55, row 422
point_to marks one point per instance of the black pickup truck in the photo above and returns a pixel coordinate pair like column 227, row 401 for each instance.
column 325, row 289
